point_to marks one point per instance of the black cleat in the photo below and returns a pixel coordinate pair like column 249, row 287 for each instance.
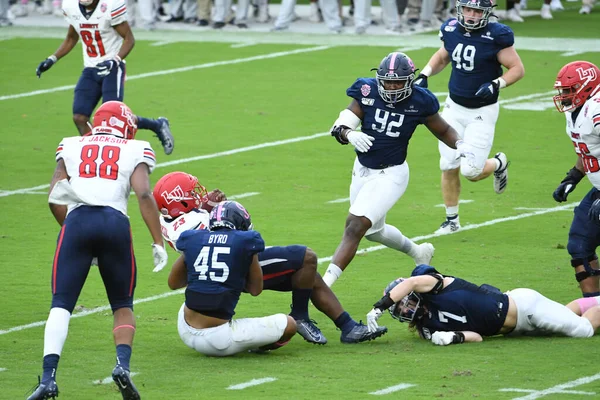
column 123, row 381
column 165, row 136
column 360, row 333
column 43, row 391
column 308, row 330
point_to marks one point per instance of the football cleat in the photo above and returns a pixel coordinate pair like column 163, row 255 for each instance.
column 308, row 330
column 165, row 136
column 360, row 333
column 43, row 391
column 424, row 253
column 123, row 381
column 501, row 175
column 448, row 226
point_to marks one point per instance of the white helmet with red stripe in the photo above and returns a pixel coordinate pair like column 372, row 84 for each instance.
column 114, row 118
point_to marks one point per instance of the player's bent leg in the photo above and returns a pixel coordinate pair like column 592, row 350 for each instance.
column 161, row 128
column 593, row 315
column 355, row 229
column 391, row 237
column 88, row 93
column 82, row 123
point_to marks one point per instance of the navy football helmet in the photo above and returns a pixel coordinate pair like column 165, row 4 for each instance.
column 230, row 215
column 406, row 309
column 471, row 22
column 396, row 67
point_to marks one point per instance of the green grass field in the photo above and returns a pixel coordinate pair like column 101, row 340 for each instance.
column 265, row 109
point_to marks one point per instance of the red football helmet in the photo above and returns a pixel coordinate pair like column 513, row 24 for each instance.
column 114, row 118
column 178, row 193
column 576, row 82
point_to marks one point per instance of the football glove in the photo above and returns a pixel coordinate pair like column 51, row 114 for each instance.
column 372, row 318
column 160, row 257
column 488, row 90
column 594, row 213
column 422, row 81
column 361, row 141
column 445, row 338
column 105, row 67
column 45, row 65
column 567, row 185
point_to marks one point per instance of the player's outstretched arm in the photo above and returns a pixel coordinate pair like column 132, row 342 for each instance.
column 442, row 338
column 254, row 281
column 442, row 130
column 436, row 64
column 140, row 182
column 567, row 185
column 58, row 210
column 178, row 275
column 65, row 47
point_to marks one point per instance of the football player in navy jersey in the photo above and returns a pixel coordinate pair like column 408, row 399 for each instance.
column 184, row 203
column 449, row 310
column 478, row 49
column 217, row 265
column 389, row 108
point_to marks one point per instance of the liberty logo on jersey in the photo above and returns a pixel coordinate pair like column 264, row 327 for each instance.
column 365, row 90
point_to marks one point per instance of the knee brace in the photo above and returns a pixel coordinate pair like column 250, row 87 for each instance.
column 470, row 171
column 589, row 271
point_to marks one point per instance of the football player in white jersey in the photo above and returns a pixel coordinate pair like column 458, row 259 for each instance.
column 88, row 197
column 578, row 85
column 106, row 39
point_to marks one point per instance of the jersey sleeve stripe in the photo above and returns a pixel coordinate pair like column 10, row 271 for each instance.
column 119, row 11
column 596, row 120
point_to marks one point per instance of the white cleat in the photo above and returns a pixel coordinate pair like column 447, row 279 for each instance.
column 556, row 5
column 513, row 15
column 501, row 175
column 424, row 253
column 447, row 227
column 585, row 10
column 545, row 13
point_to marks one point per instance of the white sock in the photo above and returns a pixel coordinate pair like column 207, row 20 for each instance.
column 391, row 237
column 452, row 211
column 57, row 327
column 332, row 274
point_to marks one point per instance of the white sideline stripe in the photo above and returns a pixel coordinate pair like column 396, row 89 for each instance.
column 393, row 389
column 163, row 43
column 321, row 261
column 240, row 45
column 561, row 391
column 243, row 195
column 6, row 193
column 108, row 380
column 2, row 369
column 342, row 200
column 253, row 382
column 530, row 208
column 177, row 70
column 560, row 388
column 470, row 201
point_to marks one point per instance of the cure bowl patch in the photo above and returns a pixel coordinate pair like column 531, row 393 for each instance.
column 365, row 89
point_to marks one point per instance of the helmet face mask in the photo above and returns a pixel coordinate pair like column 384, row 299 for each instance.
column 395, row 76
column 178, row 193
column 406, row 309
column 478, row 13
column 230, row 215
column 576, row 82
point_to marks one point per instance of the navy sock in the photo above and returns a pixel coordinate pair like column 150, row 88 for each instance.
column 147, row 123
column 49, row 367
column 300, row 299
column 345, row 322
column 123, row 355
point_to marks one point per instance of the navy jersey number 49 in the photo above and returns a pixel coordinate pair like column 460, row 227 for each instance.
column 464, row 56
column 209, row 267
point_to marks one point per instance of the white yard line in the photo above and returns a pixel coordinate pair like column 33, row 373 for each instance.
column 253, row 382
column 321, row 261
column 6, row 193
column 177, row 70
column 163, row 43
column 240, row 45
column 393, row 389
column 561, row 391
column 108, row 380
column 559, row 388
column 462, row 202
column 2, row 369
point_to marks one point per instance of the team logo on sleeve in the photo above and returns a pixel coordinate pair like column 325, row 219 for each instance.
column 365, row 90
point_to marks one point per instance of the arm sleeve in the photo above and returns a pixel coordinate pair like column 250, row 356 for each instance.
column 595, row 115
column 147, row 156
column 59, row 150
column 355, row 92
column 118, row 14
column 504, row 37
column 256, row 244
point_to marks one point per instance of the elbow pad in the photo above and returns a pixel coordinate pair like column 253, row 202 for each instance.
column 346, row 120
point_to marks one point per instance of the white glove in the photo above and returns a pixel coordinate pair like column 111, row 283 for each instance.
column 160, row 257
column 372, row 318
column 361, row 141
column 442, row 338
